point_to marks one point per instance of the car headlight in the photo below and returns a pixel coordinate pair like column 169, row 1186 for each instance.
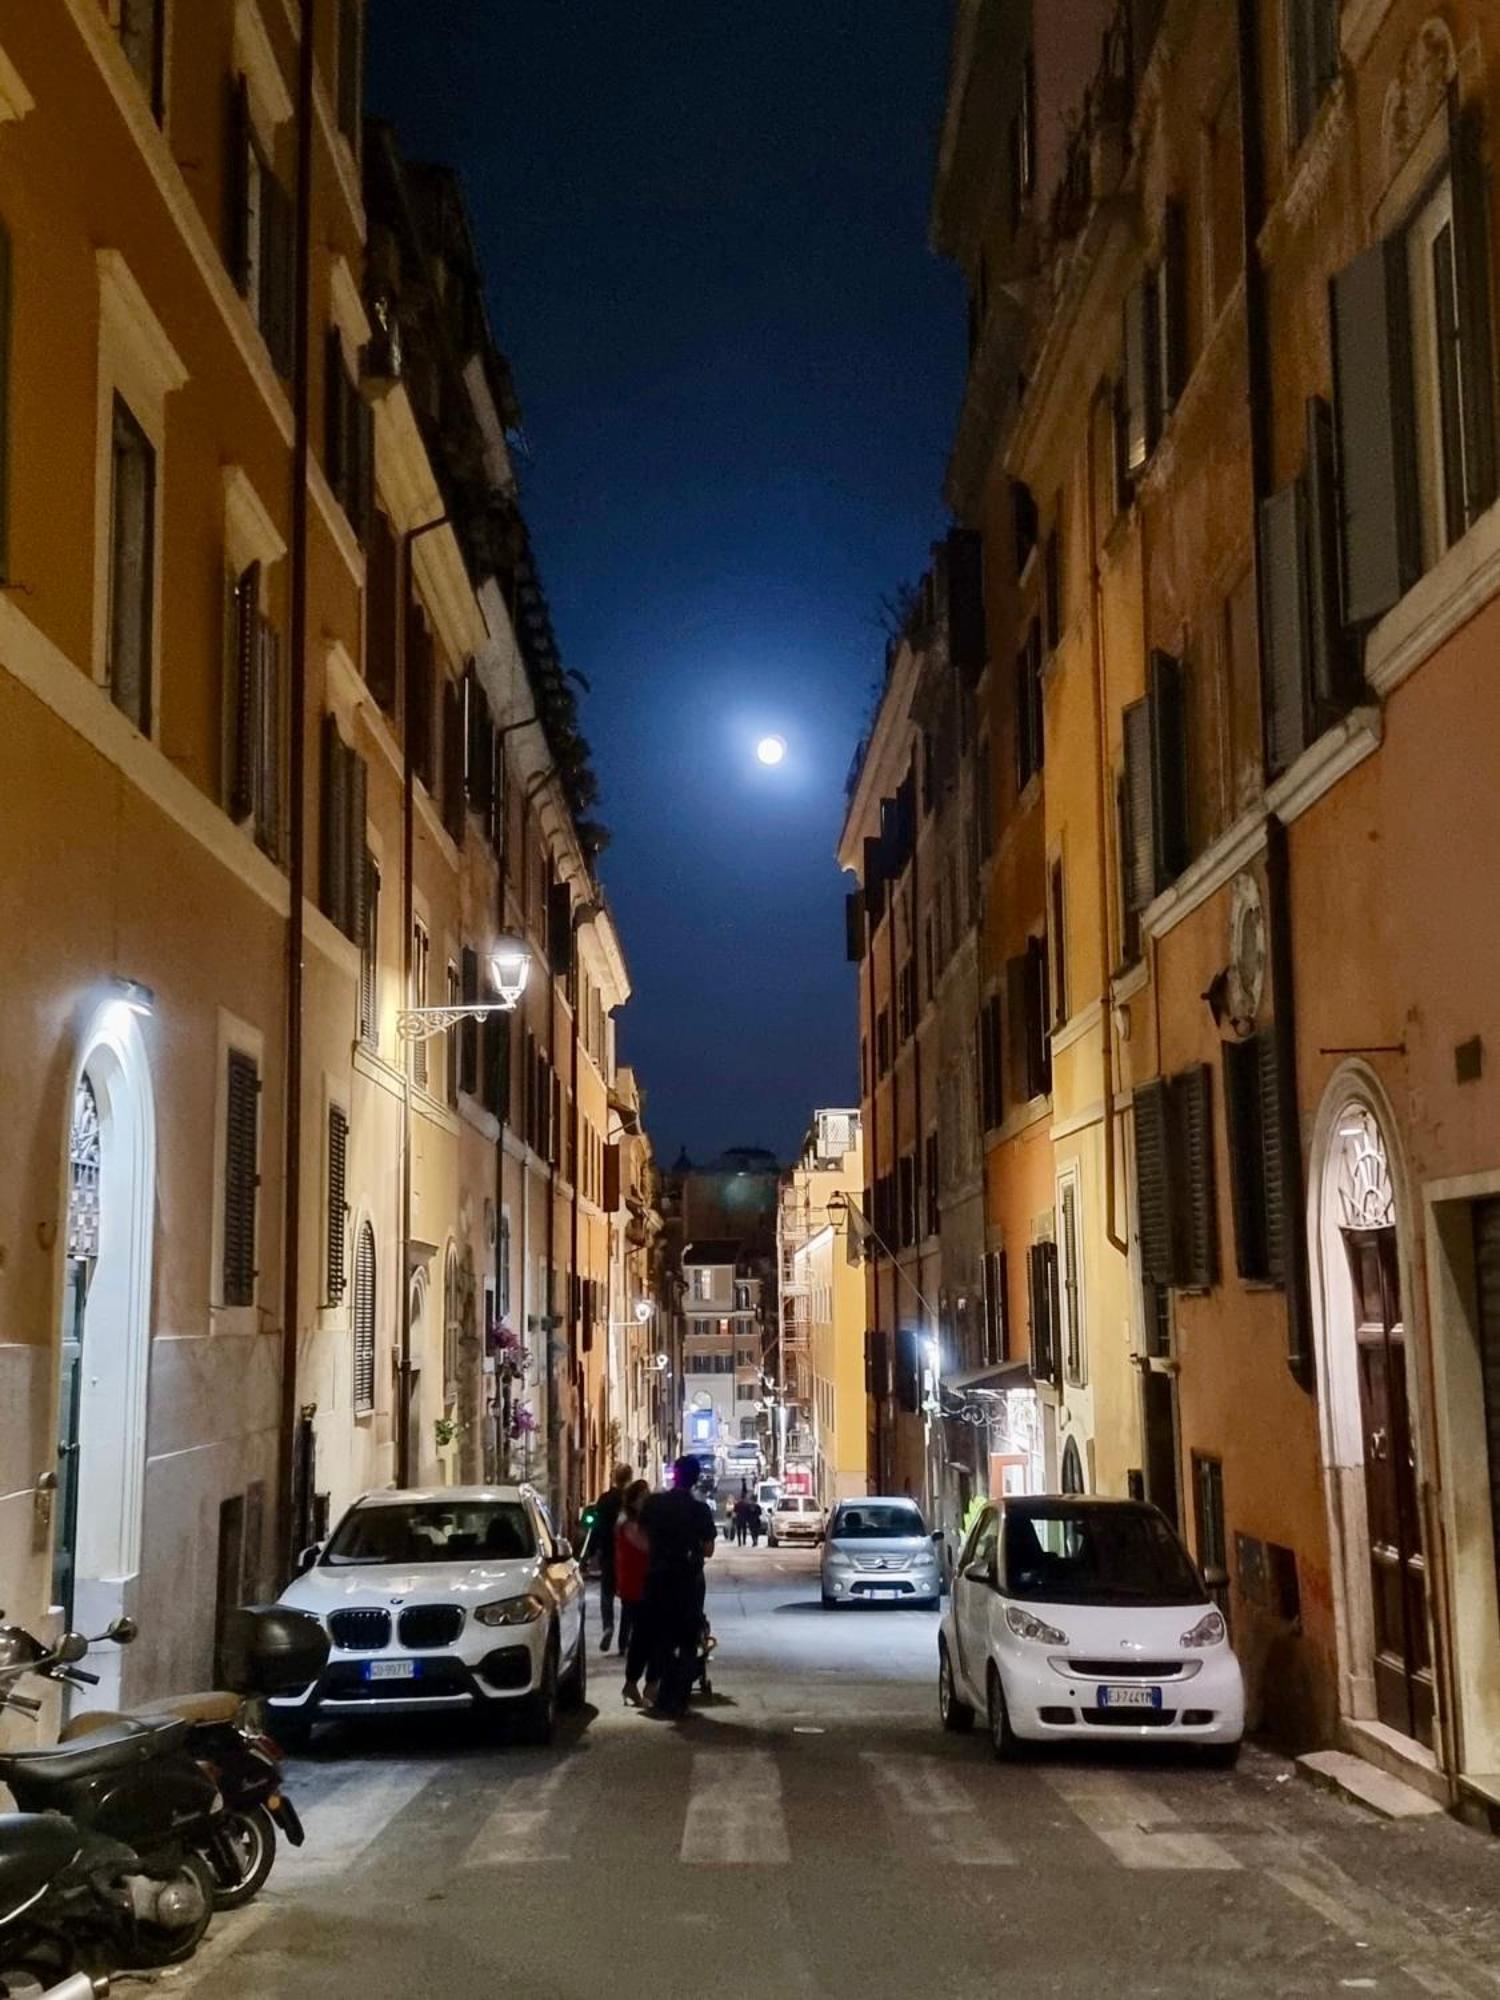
column 1208, row 1631
column 1026, row 1627
column 836, row 1559
column 512, row 1610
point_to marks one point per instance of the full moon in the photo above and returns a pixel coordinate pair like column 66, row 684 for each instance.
column 771, row 749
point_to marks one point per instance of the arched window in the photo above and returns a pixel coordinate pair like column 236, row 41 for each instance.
column 364, row 1321
column 1072, row 1468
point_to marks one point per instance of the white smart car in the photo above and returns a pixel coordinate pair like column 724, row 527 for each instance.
column 460, row 1597
column 1085, row 1619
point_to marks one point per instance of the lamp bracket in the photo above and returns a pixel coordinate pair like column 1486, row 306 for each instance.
column 419, row 1024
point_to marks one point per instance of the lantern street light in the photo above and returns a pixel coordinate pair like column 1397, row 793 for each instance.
column 510, row 967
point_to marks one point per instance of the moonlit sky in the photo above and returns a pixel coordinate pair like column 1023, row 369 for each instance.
column 703, row 226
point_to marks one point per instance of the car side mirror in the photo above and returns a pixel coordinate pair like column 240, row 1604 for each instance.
column 980, row 1572
column 124, row 1631
column 71, row 1648
column 937, row 1534
column 308, row 1557
column 562, row 1552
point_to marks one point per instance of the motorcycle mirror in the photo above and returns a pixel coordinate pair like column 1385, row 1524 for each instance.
column 17, row 1647
column 123, row 1631
column 72, row 1647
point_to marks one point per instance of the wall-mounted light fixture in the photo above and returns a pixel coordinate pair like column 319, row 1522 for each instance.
column 510, row 968
column 137, row 997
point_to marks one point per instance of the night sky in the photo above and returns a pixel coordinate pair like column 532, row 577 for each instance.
column 703, row 226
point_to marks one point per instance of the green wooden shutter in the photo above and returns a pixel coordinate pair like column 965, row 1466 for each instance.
column 1153, row 1180
column 1476, row 340
column 338, row 1170
column 1169, row 795
column 1192, row 1094
column 1140, row 858
column 1284, row 610
column 242, row 1102
column 1273, row 1197
column 1381, row 554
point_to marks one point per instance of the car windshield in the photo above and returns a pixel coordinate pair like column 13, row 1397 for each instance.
column 434, row 1531
column 878, row 1522
column 1097, row 1555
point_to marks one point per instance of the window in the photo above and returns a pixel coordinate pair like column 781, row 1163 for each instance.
column 348, row 438
column 1030, row 735
column 132, row 567
column 350, row 69
column 254, row 717
column 495, row 1058
column 1413, row 350
column 1252, row 1116
column 1057, row 933
column 1075, row 1364
column 343, row 873
column 502, row 1265
column 1156, row 784
column 364, row 1321
column 482, row 760
column 991, row 1045
column 996, row 1336
column 262, row 236
column 421, row 679
column 241, row 1178
column 468, row 1031
column 1133, row 439
column 1130, row 915
column 1042, row 1299
column 369, row 957
column 1174, row 1164
column 1213, row 1540
column 1029, row 1039
column 338, row 1213
column 141, row 27
column 930, row 1183
column 1310, row 45
column 702, row 1287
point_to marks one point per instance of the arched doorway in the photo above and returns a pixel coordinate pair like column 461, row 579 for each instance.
column 104, row 1333
column 1367, row 1409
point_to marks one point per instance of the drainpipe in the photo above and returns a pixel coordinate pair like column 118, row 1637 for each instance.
column 404, row 1467
column 1106, row 810
column 1281, row 949
column 873, row 1156
column 291, row 1526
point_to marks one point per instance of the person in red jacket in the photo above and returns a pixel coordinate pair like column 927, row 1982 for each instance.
column 632, row 1556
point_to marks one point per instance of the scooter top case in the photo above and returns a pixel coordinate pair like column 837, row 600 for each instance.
column 131, row 1782
column 35, row 1848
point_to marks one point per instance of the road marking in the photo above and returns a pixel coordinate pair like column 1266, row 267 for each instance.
column 734, row 1810
column 536, row 1820
column 1137, row 1827
column 353, row 1816
column 920, row 1793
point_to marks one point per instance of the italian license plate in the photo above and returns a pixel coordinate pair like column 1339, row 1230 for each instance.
column 1129, row 1697
column 390, row 1670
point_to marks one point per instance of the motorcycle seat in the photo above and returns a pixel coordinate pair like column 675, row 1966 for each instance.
column 34, row 1848
column 193, row 1709
column 115, row 1747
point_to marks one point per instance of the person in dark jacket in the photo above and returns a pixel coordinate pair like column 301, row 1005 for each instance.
column 682, row 1532
column 601, row 1542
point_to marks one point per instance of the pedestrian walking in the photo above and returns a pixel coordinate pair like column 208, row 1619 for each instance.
column 664, row 1644
column 632, row 1556
column 601, row 1542
column 757, row 1522
column 739, row 1522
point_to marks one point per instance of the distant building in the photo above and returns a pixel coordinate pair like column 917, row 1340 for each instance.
column 821, row 1354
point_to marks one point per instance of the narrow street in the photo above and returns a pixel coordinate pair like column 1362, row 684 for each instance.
column 811, row 1831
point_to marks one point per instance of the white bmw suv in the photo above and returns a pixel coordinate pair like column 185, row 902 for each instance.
column 460, row 1597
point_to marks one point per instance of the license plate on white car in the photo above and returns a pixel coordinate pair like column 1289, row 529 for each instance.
column 390, row 1670
column 1129, row 1697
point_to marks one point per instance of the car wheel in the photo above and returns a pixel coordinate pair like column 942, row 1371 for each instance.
column 1223, row 1756
column 537, row 1714
column 1003, row 1739
column 955, row 1714
column 830, row 1602
column 573, row 1690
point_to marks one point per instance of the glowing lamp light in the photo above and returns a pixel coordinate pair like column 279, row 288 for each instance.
column 643, row 1310
column 510, row 967
column 771, row 749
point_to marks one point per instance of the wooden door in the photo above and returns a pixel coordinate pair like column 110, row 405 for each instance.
column 1398, row 1573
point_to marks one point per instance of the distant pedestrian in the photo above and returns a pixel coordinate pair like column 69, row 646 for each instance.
column 601, row 1542
column 757, row 1522
column 740, row 1522
column 632, row 1557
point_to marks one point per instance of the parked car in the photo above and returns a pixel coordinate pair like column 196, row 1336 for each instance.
column 458, row 1598
column 879, row 1551
column 1086, row 1618
column 796, row 1517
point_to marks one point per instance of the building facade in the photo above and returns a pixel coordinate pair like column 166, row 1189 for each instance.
column 822, row 1332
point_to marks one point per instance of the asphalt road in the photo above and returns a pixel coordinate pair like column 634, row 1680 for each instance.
column 810, row 1831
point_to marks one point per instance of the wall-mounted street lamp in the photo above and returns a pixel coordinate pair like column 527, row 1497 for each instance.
column 510, row 967
column 137, row 996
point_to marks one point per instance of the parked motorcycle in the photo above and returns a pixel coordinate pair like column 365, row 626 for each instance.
column 137, row 1810
column 65, row 1908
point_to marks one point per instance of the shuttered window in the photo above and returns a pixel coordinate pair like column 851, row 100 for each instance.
column 132, row 566
column 996, row 1321
column 451, row 1037
column 241, row 1179
column 244, row 618
column 364, row 1321
column 1381, row 555
column 1156, row 783
column 479, row 755
column 1138, row 847
column 5, row 292
column 1052, row 588
column 1253, row 1128
column 1057, row 934
column 1136, row 416
column 344, row 876
column 1042, row 1295
column 496, row 1032
column 338, row 1213
column 1475, row 327
column 1174, row 1160
column 454, row 802
column 369, row 956
column 931, row 1185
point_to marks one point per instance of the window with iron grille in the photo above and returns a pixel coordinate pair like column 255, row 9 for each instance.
column 364, row 1321
column 338, row 1213
column 241, row 1179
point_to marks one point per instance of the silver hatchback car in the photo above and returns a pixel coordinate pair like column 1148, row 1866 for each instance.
column 879, row 1551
